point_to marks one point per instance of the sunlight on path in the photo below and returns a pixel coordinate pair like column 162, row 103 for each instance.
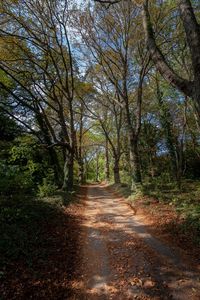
column 123, row 261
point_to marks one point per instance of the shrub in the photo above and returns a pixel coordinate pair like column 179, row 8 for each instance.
column 13, row 180
column 48, row 187
column 24, row 167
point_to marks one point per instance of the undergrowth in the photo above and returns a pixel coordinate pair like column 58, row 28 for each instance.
column 186, row 201
column 23, row 225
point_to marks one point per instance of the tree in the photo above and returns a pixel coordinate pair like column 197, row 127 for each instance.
column 43, row 72
column 114, row 44
column 191, row 86
column 174, row 138
column 192, row 32
column 107, row 113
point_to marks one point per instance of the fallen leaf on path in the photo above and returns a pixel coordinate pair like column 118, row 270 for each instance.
column 149, row 284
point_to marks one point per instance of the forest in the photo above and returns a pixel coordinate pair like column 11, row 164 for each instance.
column 95, row 91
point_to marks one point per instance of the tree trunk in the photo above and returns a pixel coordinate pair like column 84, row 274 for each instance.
column 135, row 162
column 192, row 31
column 58, row 173
column 116, row 170
column 97, row 168
column 68, row 180
column 151, row 165
column 158, row 58
column 107, row 165
column 175, row 148
column 81, row 171
column 79, row 154
column 72, row 153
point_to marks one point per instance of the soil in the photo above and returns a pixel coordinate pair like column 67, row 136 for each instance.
column 101, row 249
column 50, row 277
column 121, row 259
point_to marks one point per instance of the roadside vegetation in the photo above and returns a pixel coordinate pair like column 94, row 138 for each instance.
column 94, row 91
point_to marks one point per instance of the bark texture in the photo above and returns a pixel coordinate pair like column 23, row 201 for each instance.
column 192, row 32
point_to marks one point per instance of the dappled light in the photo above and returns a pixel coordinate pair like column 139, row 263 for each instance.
column 119, row 263
column 99, row 149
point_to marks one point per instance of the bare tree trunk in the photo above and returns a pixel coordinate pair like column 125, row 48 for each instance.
column 80, row 141
column 192, row 31
column 97, row 167
column 73, row 152
column 151, row 165
column 116, row 170
column 68, row 171
column 134, row 131
column 81, row 171
column 58, row 173
column 107, row 164
column 70, row 181
column 135, row 162
column 159, row 60
column 175, row 147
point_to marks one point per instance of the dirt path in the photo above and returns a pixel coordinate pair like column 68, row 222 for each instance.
column 121, row 260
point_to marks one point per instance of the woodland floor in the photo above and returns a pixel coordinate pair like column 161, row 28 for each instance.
column 102, row 250
column 121, row 258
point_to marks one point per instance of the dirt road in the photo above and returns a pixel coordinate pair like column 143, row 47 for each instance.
column 121, row 260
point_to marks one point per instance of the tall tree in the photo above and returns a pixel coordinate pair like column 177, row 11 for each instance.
column 113, row 43
column 45, row 86
column 188, row 86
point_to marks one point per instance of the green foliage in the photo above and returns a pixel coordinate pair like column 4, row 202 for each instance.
column 96, row 168
column 47, row 187
column 24, row 149
column 24, row 167
column 13, row 180
column 185, row 201
column 5, row 79
column 135, row 196
column 106, row 103
column 191, row 214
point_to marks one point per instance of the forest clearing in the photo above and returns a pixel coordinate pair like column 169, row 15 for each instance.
column 99, row 149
